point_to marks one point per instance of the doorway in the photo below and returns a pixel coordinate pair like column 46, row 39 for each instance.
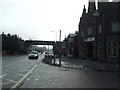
column 89, row 50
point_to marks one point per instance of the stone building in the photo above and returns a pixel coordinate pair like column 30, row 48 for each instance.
column 99, row 32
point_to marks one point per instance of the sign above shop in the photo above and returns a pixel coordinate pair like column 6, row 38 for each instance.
column 89, row 39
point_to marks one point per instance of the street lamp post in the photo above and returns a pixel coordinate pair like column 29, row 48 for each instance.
column 58, row 51
column 55, row 46
column 96, row 14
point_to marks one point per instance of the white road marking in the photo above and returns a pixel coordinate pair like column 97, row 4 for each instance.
column 36, row 79
column 27, row 79
column 11, row 80
column 21, row 74
column 3, row 75
column 25, row 70
column 22, row 79
column 4, row 83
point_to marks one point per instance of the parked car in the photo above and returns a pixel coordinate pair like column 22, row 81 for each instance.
column 33, row 55
column 49, row 55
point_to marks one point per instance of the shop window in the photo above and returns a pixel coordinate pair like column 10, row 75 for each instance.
column 119, row 51
column 114, row 52
column 118, row 43
column 114, row 44
column 112, row 49
column 109, row 51
column 83, row 50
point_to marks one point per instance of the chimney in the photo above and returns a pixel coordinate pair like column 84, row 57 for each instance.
column 91, row 6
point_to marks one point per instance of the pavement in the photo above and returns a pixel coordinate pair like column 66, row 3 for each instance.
column 71, row 74
column 76, row 63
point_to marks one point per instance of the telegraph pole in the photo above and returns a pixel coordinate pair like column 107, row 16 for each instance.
column 96, row 15
column 60, row 53
column 60, row 36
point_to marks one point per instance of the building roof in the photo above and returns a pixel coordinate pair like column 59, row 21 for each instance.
column 72, row 35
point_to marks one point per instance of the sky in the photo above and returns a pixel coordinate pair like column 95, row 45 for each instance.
column 41, row 19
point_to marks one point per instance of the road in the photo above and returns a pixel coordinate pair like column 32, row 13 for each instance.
column 47, row 76
column 15, row 67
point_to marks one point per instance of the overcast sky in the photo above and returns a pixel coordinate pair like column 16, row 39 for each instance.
column 35, row 19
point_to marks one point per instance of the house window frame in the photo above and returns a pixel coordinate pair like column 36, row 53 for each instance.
column 82, row 33
column 89, row 31
column 99, row 28
column 111, row 48
column 115, row 26
column 109, row 51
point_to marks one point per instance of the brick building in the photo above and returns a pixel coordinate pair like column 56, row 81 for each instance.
column 99, row 32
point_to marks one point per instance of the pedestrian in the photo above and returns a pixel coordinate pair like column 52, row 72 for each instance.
column 60, row 54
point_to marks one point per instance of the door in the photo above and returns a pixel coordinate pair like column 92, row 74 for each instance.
column 89, row 50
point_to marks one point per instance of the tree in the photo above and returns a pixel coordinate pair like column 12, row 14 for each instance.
column 11, row 43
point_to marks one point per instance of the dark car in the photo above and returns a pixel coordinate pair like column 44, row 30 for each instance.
column 33, row 55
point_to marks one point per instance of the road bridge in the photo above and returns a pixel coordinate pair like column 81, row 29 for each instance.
column 38, row 42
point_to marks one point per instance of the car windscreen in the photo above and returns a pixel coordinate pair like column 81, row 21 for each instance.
column 33, row 52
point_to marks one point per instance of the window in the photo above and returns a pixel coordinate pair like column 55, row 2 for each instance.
column 100, row 29
column 112, row 49
column 118, row 43
column 109, row 51
column 100, row 49
column 118, row 51
column 89, row 30
column 109, row 44
column 82, row 33
column 115, row 26
column 114, row 44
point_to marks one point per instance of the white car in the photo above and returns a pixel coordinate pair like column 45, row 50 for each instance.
column 33, row 55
